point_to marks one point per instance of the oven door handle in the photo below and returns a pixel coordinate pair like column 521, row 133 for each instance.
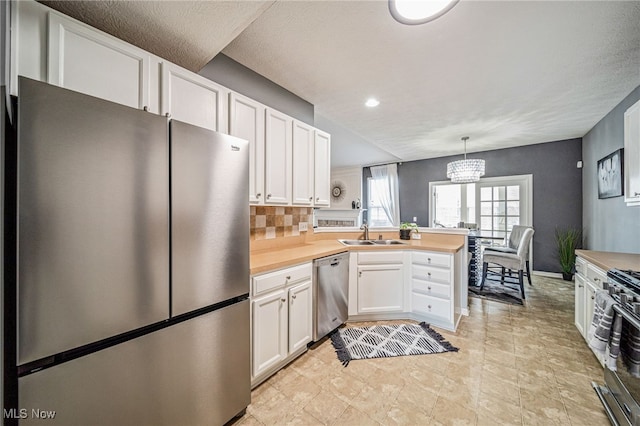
column 626, row 315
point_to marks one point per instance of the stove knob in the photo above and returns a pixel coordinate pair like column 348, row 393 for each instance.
column 624, row 299
column 636, row 308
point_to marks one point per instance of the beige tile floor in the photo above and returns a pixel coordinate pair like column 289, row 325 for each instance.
column 516, row 366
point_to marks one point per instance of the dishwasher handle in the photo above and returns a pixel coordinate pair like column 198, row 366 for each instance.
column 333, row 261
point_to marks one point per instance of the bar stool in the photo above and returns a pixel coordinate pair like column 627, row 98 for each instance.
column 508, row 261
column 512, row 247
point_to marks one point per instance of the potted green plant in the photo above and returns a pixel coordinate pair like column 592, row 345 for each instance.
column 567, row 240
column 406, row 228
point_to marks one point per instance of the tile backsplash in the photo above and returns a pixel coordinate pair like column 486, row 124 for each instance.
column 269, row 222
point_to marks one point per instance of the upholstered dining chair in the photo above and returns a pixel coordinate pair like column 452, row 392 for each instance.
column 508, row 261
column 512, row 247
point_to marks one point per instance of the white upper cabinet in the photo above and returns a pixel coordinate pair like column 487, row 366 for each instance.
column 278, row 157
column 83, row 59
column 193, row 99
column 632, row 155
column 322, row 169
column 303, row 154
column 246, row 121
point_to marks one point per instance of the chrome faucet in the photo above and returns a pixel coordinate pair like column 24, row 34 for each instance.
column 366, row 230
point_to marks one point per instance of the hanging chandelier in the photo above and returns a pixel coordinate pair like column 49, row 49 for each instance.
column 465, row 171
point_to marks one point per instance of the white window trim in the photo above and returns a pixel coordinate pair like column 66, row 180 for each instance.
column 528, row 187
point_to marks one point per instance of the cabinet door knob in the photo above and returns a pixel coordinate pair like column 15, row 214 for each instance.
column 429, row 306
column 268, row 196
column 429, row 274
column 429, row 259
column 596, row 279
column 360, row 273
column 310, row 198
column 317, row 198
column 288, row 277
column 258, row 195
column 145, row 108
column 593, row 297
column 283, row 300
column 580, row 286
column 293, row 296
column 636, row 194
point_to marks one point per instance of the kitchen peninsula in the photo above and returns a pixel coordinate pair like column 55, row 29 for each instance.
column 422, row 279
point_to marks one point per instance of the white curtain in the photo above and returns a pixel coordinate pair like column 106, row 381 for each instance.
column 385, row 179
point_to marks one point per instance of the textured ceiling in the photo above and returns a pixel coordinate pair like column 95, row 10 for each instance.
column 505, row 73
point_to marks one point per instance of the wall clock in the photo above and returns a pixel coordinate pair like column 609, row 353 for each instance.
column 338, row 191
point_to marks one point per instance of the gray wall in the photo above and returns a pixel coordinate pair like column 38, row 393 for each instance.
column 557, row 188
column 609, row 224
column 237, row 77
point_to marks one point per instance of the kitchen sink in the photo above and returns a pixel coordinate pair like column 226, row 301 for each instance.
column 370, row 242
column 356, row 242
column 387, row 242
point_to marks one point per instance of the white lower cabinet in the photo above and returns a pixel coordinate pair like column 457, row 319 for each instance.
column 269, row 319
column 300, row 318
column 281, row 319
column 589, row 279
column 380, row 288
column 580, row 315
column 432, row 287
column 403, row 284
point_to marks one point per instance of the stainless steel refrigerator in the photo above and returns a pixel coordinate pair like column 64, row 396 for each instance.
column 133, row 265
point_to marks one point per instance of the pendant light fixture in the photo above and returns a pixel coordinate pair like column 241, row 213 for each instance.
column 465, row 171
column 415, row 12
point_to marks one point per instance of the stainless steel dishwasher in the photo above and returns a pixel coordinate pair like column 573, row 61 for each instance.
column 331, row 293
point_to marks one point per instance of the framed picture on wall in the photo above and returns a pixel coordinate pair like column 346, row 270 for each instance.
column 610, row 175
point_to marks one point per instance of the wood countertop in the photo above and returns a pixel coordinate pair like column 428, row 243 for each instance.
column 271, row 259
column 609, row 260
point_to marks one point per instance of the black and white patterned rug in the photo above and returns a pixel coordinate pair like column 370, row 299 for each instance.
column 382, row 341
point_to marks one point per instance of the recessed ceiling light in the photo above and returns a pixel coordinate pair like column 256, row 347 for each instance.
column 414, row 12
column 372, row 102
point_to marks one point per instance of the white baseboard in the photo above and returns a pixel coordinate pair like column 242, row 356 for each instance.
column 547, row 274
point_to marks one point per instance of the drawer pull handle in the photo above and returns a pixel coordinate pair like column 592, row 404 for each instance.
column 429, row 288
column 429, row 274
column 580, row 286
column 429, row 306
column 288, row 277
column 596, row 279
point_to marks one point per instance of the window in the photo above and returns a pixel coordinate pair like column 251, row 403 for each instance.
column 503, row 202
column 376, row 214
column 383, row 207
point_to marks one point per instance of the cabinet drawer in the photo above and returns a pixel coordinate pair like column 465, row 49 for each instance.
column 281, row 278
column 424, row 304
column 596, row 275
column 380, row 257
column 432, row 259
column 431, row 289
column 581, row 266
column 428, row 273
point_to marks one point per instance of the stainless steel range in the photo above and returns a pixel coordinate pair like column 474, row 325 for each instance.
column 621, row 390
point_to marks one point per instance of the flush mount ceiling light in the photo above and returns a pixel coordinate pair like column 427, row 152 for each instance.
column 465, row 171
column 372, row 102
column 415, row 12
